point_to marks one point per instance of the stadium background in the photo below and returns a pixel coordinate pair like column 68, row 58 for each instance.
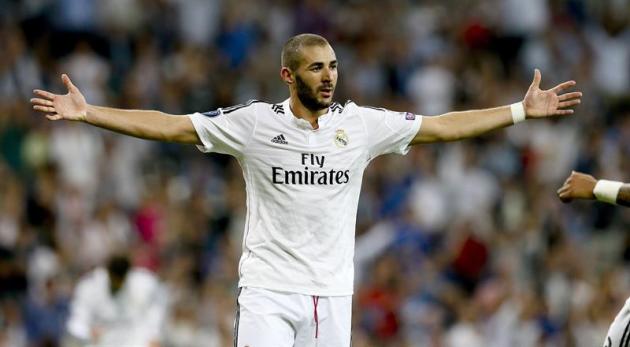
column 460, row 244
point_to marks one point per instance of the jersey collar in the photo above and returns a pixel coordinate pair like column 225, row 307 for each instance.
column 323, row 120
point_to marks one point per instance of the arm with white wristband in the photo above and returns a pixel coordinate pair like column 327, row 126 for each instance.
column 583, row 186
column 538, row 103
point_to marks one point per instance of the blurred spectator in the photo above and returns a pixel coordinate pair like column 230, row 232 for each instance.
column 11, row 328
column 118, row 305
column 45, row 314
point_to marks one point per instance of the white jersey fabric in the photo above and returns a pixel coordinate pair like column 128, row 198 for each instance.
column 302, row 187
column 618, row 330
column 132, row 317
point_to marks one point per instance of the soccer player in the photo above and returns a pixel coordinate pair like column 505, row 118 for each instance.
column 117, row 306
column 583, row 186
column 303, row 161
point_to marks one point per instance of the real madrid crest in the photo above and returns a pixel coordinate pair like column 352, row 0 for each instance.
column 341, row 139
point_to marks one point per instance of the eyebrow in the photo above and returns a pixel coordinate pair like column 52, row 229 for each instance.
column 319, row 63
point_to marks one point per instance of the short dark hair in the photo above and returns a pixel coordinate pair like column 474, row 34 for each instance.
column 118, row 266
column 291, row 50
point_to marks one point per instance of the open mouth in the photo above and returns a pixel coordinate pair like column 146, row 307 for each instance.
column 326, row 92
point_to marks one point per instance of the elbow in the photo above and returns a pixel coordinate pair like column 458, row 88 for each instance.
column 179, row 130
column 169, row 136
column 180, row 136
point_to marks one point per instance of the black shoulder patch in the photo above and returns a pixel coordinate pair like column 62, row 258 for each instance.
column 278, row 108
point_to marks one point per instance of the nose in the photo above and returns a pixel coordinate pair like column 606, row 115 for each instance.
column 326, row 75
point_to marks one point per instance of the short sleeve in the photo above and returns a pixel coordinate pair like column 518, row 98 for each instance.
column 79, row 322
column 225, row 130
column 389, row 131
column 146, row 289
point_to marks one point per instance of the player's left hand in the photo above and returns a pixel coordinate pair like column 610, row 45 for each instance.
column 540, row 103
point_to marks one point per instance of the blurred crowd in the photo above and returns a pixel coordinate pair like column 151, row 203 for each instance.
column 458, row 244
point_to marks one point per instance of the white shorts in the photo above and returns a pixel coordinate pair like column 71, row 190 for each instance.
column 619, row 331
column 266, row 318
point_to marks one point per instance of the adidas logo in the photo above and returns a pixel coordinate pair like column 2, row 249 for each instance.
column 280, row 139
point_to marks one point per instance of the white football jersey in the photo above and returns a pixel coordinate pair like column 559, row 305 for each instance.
column 132, row 317
column 302, row 187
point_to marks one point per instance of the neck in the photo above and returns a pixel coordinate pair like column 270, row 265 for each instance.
column 300, row 111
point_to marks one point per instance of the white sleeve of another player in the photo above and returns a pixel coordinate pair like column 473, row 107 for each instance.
column 79, row 323
column 225, row 130
column 156, row 314
column 388, row 131
column 148, row 289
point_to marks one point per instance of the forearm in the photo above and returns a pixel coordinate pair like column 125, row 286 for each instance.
column 467, row 124
column 460, row 125
column 150, row 125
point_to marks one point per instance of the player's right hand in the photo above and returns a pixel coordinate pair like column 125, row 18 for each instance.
column 577, row 186
column 70, row 106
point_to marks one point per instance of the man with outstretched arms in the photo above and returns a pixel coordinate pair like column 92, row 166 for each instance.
column 303, row 161
column 586, row 187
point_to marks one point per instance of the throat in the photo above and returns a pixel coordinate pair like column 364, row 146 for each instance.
column 304, row 115
column 313, row 122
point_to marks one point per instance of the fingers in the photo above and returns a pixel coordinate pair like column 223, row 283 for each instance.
column 562, row 86
column 45, row 109
column 53, row 116
column 563, row 112
column 44, row 94
column 564, row 193
column 42, row 102
column 572, row 95
column 536, row 81
column 45, row 105
column 562, row 105
column 66, row 81
column 569, row 103
column 570, row 178
column 48, row 95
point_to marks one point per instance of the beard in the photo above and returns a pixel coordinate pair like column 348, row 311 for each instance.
column 308, row 97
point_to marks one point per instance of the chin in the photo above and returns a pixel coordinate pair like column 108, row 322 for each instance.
column 326, row 102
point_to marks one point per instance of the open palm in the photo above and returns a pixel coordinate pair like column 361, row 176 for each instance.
column 70, row 106
column 540, row 103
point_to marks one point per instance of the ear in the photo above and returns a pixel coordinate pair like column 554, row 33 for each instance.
column 286, row 75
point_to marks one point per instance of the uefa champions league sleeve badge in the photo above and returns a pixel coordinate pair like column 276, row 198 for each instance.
column 341, row 139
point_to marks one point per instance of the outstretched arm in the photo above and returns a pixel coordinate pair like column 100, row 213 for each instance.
column 150, row 125
column 537, row 103
column 582, row 186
